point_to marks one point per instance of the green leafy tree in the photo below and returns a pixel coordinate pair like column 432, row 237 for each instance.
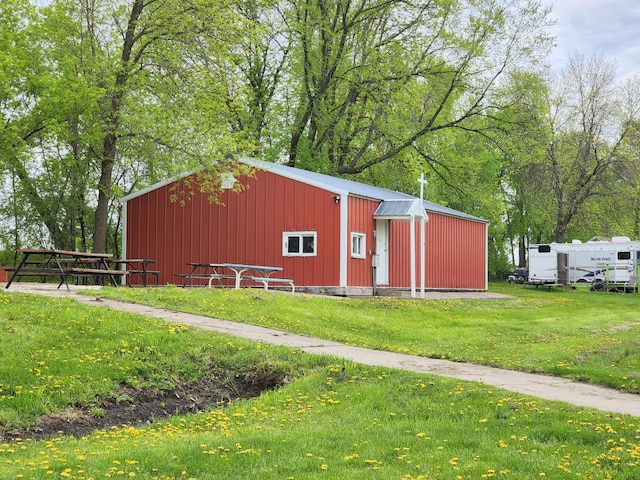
column 114, row 93
column 522, row 142
column 256, row 71
column 631, row 179
column 618, row 211
column 588, row 121
column 375, row 81
column 30, row 116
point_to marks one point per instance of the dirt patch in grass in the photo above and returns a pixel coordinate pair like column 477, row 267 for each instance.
column 130, row 406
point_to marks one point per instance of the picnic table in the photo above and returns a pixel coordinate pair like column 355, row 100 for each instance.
column 138, row 266
column 64, row 264
column 205, row 271
column 236, row 272
column 262, row 274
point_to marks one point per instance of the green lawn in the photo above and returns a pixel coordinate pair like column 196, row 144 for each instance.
column 587, row 336
column 377, row 423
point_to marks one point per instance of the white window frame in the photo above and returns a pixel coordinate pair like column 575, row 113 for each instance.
column 358, row 245
column 300, row 236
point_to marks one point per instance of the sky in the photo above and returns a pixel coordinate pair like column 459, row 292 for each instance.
column 610, row 28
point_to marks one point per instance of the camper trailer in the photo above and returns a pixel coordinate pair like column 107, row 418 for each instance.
column 612, row 262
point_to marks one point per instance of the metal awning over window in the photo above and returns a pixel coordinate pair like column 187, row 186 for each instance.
column 400, row 210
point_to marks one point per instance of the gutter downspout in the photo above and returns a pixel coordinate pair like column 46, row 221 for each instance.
column 344, row 239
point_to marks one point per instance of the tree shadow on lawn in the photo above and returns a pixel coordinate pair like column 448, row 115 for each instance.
column 131, row 406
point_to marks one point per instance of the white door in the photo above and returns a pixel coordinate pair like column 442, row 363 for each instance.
column 382, row 252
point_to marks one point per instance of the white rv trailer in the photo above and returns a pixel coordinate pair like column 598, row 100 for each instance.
column 615, row 262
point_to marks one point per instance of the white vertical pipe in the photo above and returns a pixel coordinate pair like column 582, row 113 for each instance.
column 413, row 256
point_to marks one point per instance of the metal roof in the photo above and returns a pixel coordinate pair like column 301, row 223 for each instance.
column 336, row 185
column 343, row 186
column 407, row 209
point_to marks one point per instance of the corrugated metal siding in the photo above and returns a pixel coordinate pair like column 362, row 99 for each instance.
column 359, row 270
column 248, row 229
column 455, row 250
column 458, row 257
column 399, row 254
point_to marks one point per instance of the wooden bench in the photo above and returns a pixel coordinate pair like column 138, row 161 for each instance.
column 69, row 261
column 41, row 272
column 65, row 272
column 136, row 266
column 202, row 276
column 188, row 276
column 549, row 286
column 267, row 280
column 155, row 273
column 34, row 272
column 95, row 271
column 80, row 272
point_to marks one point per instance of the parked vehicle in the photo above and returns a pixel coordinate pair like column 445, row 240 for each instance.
column 519, row 275
column 612, row 262
column 591, row 277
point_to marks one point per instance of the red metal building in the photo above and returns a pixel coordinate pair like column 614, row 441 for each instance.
column 329, row 234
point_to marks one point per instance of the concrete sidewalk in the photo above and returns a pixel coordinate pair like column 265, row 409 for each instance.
column 542, row 386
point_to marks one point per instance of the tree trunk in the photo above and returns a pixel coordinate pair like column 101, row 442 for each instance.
column 522, row 252
column 111, row 115
column 561, row 231
column 104, row 194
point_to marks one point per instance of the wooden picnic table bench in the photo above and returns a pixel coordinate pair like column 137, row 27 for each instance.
column 206, row 271
column 138, row 266
column 64, row 264
column 34, row 272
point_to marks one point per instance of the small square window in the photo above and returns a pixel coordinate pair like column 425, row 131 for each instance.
column 358, row 245
column 299, row 244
